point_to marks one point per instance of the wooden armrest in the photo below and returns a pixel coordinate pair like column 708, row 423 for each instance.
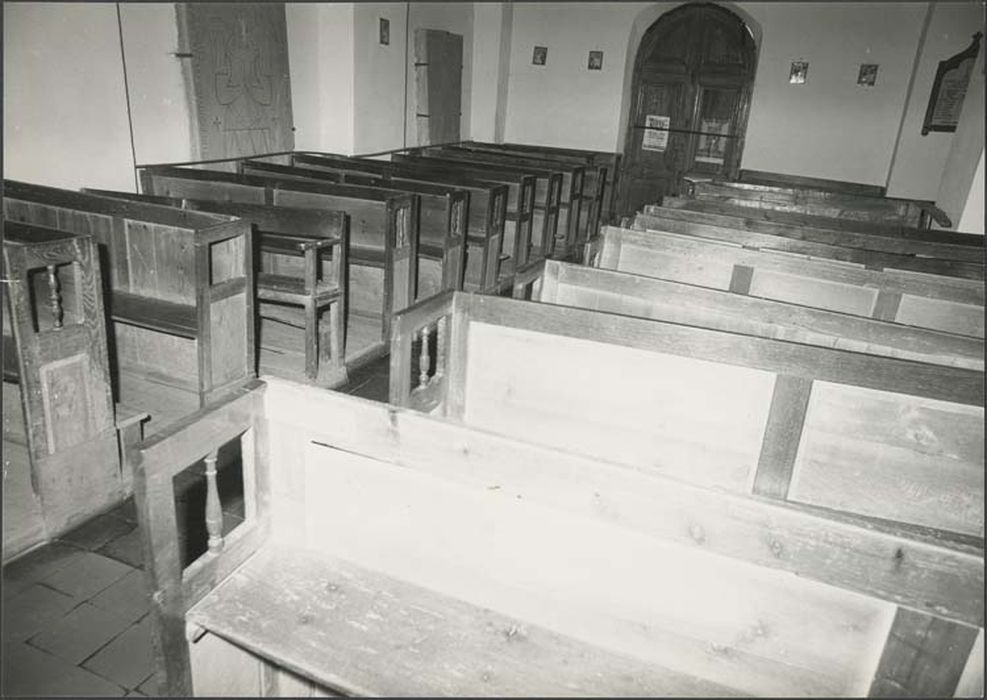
column 366, row 633
column 287, row 284
column 279, row 243
column 154, row 314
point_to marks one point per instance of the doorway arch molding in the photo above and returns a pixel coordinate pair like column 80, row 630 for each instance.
column 639, row 27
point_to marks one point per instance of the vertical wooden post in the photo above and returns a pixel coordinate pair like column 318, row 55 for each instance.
column 423, row 360
column 54, row 298
column 214, row 510
column 440, row 351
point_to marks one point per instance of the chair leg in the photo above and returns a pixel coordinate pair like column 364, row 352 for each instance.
column 311, row 339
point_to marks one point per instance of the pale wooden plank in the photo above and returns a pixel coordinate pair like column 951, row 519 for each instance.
column 928, row 573
column 893, row 456
column 351, row 618
column 971, row 683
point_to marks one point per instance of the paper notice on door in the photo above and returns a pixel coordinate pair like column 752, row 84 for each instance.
column 656, row 133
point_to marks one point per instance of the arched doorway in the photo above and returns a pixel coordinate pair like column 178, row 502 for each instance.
column 690, row 97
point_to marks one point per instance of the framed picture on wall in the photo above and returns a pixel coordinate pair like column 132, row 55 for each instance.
column 798, row 72
column 595, row 60
column 868, row 74
column 540, row 55
column 385, row 31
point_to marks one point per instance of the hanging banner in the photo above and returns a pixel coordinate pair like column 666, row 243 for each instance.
column 655, row 133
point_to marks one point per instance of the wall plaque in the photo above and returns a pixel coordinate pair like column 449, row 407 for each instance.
column 655, row 133
column 949, row 89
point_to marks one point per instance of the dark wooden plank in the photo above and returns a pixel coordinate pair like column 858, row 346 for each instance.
column 762, row 177
column 782, row 435
column 740, row 280
column 923, row 657
column 155, row 314
column 886, row 305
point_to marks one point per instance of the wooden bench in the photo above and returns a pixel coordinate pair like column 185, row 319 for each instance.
column 539, row 205
column 594, row 288
column 592, row 190
column 60, row 437
column 762, row 177
column 386, row 552
column 453, row 206
column 802, row 242
column 910, row 298
column 924, row 244
column 179, row 287
column 489, row 213
column 576, row 202
column 384, row 236
column 597, row 159
column 815, row 202
column 301, row 262
column 876, row 436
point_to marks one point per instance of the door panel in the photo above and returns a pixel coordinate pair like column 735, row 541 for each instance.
column 240, row 89
column 438, row 81
column 692, row 80
column 659, row 142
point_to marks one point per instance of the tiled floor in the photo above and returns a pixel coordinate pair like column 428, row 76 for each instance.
column 75, row 612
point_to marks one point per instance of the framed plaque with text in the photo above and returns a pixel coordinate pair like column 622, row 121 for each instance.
column 949, row 89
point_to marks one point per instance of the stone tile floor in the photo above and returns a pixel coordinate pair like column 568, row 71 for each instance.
column 75, row 611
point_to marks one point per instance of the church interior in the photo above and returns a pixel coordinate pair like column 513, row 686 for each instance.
column 493, row 348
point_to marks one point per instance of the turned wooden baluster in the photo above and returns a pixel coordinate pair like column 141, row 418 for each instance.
column 423, row 360
column 214, row 510
column 54, row 298
column 440, row 350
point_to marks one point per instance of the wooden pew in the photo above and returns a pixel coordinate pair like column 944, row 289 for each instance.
column 761, row 177
column 594, row 191
column 489, row 211
column 915, row 299
column 437, row 202
column 790, row 420
column 924, row 244
column 607, row 159
column 179, row 286
column 840, row 205
column 597, row 289
column 290, row 247
column 827, row 222
column 542, row 202
column 577, row 203
column 60, row 437
column 801, row 242
column 386, row 552
column 383, row 244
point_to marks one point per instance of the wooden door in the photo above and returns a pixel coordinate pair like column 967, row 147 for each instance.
column 438, row 84
column 691, row 91
column 238, row 77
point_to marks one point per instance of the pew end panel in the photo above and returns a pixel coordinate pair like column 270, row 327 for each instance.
column 59, row 432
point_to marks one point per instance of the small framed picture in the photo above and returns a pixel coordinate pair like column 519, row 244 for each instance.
column 385, row 31
column 540, row 55
column 798, row 72
column 867, row 75
column 595, row 60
